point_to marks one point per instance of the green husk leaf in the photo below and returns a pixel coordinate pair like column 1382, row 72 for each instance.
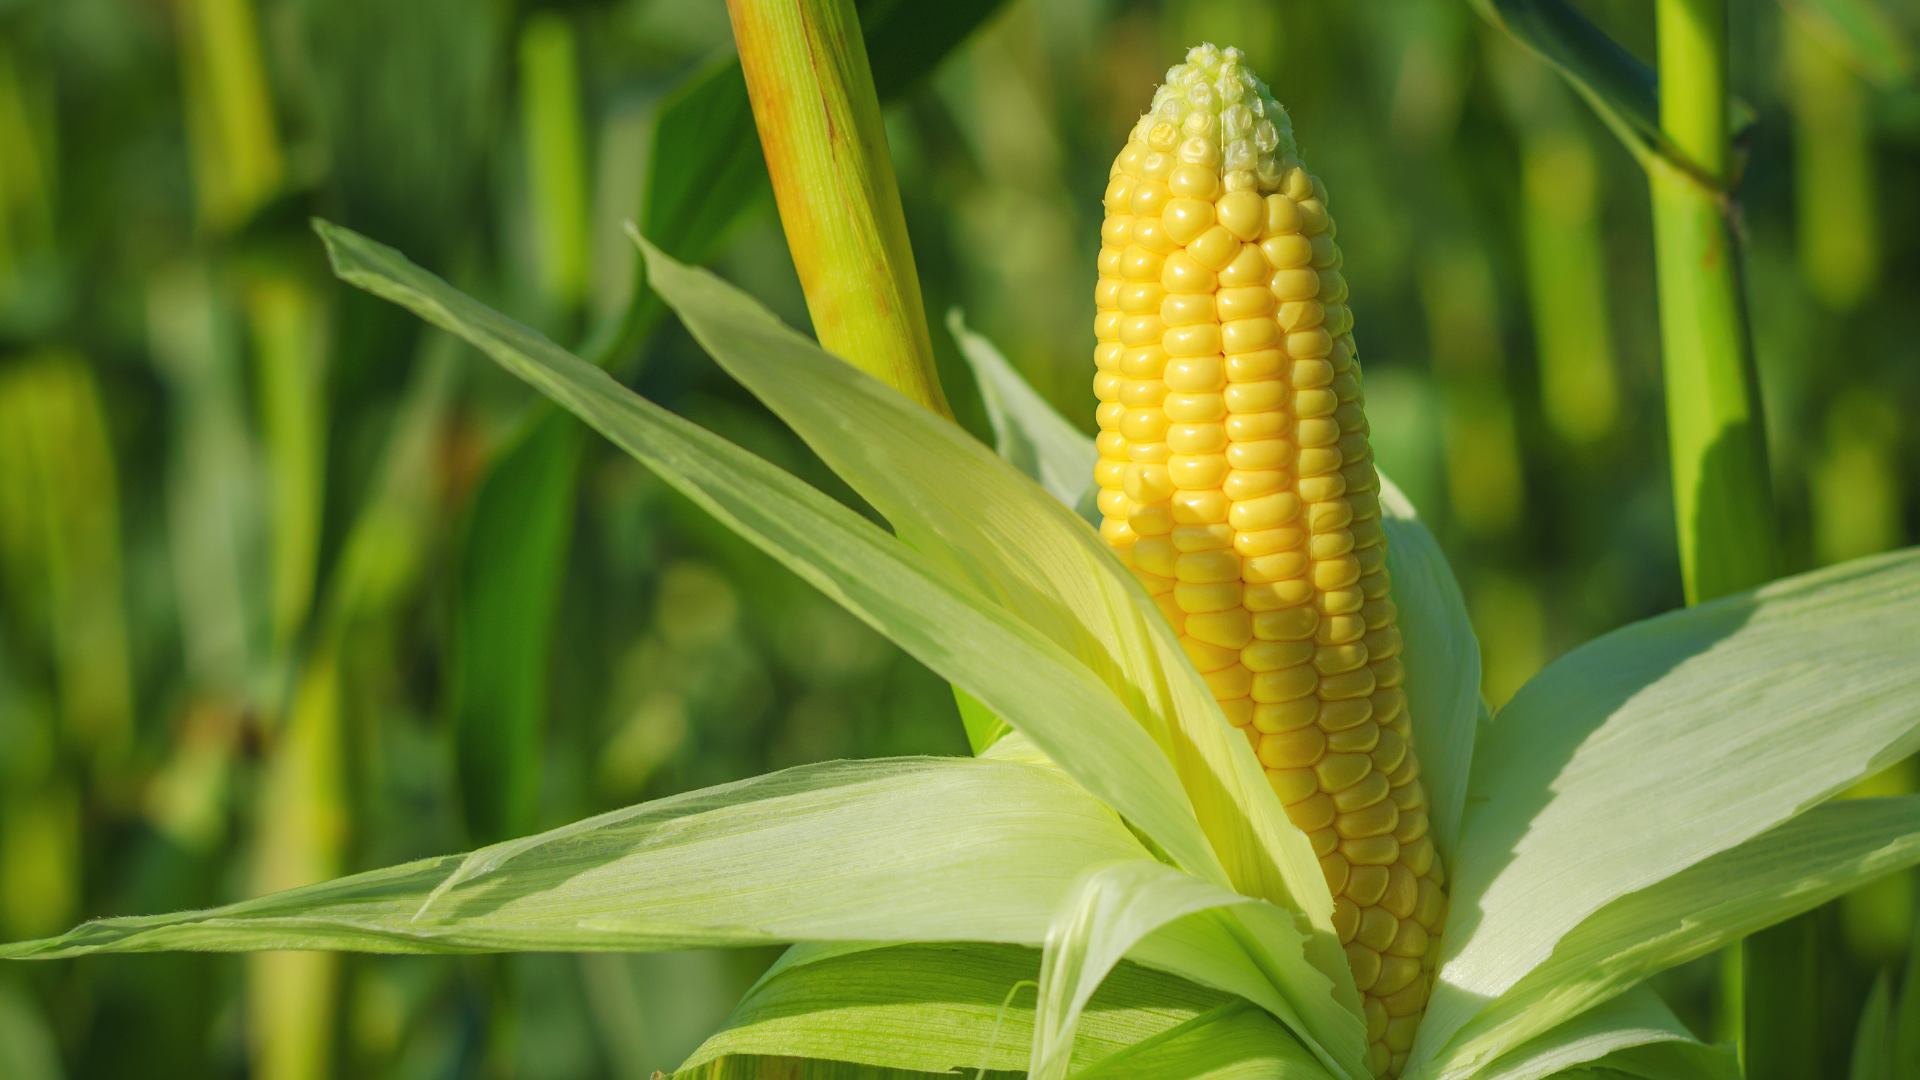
column 1442, row 658
column 1233, row 1042
column 1599, row 1036
column 1028, row 433
column 985, row 524
column 1641, row 753
column 974, row 643
column 935, row 1008
column 1181, row 924
column 1793, row 868
column 904, row 849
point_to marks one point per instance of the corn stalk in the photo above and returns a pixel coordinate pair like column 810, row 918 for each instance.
column 1723, row 498
column 826, row 146
column 1675, row 124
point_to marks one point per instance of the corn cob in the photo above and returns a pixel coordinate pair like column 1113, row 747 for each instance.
column 1237, row 481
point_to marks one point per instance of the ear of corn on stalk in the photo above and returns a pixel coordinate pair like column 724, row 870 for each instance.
column 1237, row 481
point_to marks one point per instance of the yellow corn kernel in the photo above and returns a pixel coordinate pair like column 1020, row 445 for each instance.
column 1336, row 870
column 1366, row 884
column 1284, row 715
column 1366, row 966
column 1235, row 477
column 1312, row 814
column 1295, row 749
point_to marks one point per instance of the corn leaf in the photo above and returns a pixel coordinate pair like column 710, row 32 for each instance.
column 902, row 849
column 1022, row 677
column 1873, row 1039
column 1178, row 923
column 1442, row 659
column 1790, row 869
column 1233, row 1042
column 1619, row 86
column 985, row 524
column 1599, row 1035
column 1027, row 431
column 512, row 564
column 935, row 1008
column 1645, row 751
column 706, row 177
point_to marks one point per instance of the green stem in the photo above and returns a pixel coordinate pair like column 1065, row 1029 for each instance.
column 826, row 146
column 1723, row 498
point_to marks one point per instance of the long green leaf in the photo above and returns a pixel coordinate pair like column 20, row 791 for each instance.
column 1619, row 86
column 1200, row 931
column 905, row 849
column 706, row 178
column 1793, row 868
column 938, row 1008
column 1034, row 684
column 985, row 524
column 1641, row 753
column 506, row 598
column 1635, row 1018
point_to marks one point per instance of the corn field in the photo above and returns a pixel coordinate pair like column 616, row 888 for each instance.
column 1309, row 539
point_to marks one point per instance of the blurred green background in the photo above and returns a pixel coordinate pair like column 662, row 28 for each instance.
column 260, row 629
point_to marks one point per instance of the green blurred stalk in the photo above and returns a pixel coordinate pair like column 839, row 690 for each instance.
column 826, row 148
column 40, row 855
column 235, row 152
column 289, row 361
column 60, row 544
column 301, row 837
column 1832, row 170
column 211, row 499
column 1485, row 484
column 1782, row 1029
column 1723, row 497
column 1716, row 435
column 1855, row 484
column 1567, row 279
column 26, row 186
column 555, row 141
